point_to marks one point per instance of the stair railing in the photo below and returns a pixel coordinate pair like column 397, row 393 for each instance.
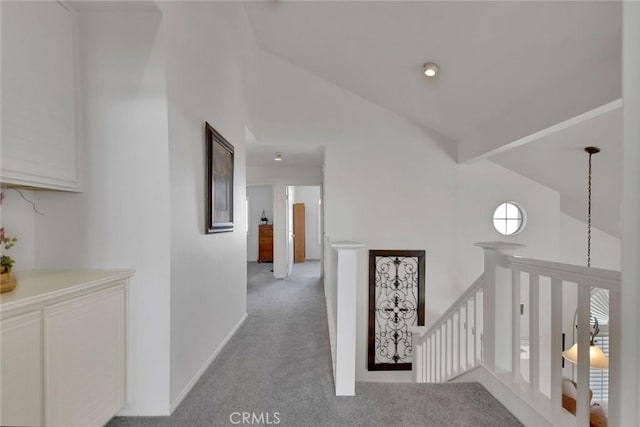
column 490, row 315
column 452, row 345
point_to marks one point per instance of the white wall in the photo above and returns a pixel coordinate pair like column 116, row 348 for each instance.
column 18, row 218
column 310, row 196
column 121, row 220
column 205, row 68
column 630, row 294
column 482, row 187
column 145, row 99
column 280, row 232
column 284, row 174
column 404, row 207
column 260, row 198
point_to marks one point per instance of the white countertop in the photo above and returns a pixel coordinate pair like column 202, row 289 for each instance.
column 36, row 286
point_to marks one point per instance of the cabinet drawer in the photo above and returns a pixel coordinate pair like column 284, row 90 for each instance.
column 265, row 230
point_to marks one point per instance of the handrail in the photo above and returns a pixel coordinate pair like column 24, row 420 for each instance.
column 605, row 279
column 471, row 290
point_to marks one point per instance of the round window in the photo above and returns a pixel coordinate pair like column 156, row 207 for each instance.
column 509, row 219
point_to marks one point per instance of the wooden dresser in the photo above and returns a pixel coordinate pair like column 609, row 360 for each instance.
column 265, row 243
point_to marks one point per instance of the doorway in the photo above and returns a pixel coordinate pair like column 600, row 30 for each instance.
column 305, row 226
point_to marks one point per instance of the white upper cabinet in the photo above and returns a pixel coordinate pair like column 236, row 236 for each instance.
column 40, row 143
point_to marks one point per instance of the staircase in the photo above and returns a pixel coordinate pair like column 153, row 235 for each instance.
column 485, row 336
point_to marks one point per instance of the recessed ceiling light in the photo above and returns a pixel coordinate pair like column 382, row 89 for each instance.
column 277, row 157
column 430, row 69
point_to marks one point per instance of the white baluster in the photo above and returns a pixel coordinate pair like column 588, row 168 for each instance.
column 582, row 377
column 515, row 324
column 418, row 368
column 433, row 359
column 534, row 333
column 556, row 343
column 466, row 335
column 459, row 354
column 426, row 357
column 475, row 331
column 446, row 350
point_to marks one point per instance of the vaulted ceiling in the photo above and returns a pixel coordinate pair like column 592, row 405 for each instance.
column 507, row 70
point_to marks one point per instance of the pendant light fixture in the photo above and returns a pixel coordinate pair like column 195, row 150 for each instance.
column 597, row 358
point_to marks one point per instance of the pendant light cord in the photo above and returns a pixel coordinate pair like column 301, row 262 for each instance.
column 589, row 217
column 591, row 151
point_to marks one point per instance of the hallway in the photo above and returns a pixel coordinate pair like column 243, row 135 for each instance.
column 278, row 367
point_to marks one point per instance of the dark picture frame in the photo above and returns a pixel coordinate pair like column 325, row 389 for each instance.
column 219, row 200
column 411, row 307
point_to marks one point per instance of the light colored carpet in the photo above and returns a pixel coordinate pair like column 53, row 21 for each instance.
column 279, row 362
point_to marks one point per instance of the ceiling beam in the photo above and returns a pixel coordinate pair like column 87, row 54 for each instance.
column 472, row 151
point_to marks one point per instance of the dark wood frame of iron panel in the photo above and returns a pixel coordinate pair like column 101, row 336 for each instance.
column 213, row 137
column 420, row 254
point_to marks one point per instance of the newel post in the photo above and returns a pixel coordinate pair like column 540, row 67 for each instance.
column 346, row 277
column 496, row 305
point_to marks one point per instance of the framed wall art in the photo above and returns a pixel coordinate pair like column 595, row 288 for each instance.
column 396, row 302
column 219, row 200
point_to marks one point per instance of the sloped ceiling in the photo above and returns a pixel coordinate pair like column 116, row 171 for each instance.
column 559, row 161
column 508, row 70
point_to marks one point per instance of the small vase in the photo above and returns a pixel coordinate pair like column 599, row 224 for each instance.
column 7, row 282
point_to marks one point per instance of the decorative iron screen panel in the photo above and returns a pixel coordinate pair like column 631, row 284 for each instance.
column 396, row 301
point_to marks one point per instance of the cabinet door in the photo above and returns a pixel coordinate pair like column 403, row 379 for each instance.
column 21, row 338
column 39, row 132
column 85, row 358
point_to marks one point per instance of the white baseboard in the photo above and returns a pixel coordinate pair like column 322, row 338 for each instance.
column 178, row 400
column 142, row 412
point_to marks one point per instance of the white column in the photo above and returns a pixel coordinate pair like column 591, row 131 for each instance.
column 496, row 306
column 280, row 232
column 346, row 275
column 629, row 391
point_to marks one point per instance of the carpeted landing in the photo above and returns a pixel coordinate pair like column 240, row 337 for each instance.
column 276, row 370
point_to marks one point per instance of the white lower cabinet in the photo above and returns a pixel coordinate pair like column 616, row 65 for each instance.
column 64, row 363
column 21, row 341
column 84, row 360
